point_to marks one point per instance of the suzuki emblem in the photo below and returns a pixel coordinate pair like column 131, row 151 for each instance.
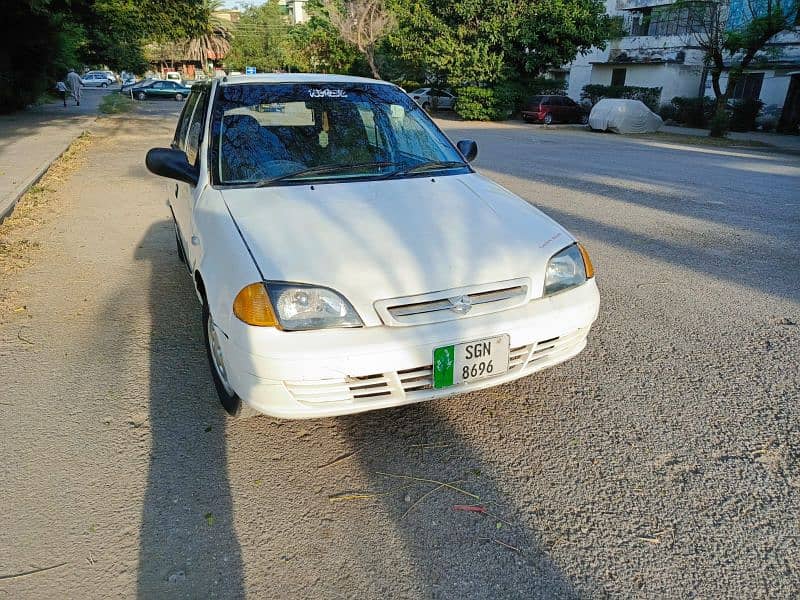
column 460, row 304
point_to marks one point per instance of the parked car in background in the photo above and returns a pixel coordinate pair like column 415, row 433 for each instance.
column 173, row 76
column 622, row 115
column 429, row 98
column 161, row 89
column 97, row 79
column 330, row 284
column 132, row 85
column 554, row 109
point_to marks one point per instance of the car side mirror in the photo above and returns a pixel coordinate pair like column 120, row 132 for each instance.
column 469, row 148
column 172, row 163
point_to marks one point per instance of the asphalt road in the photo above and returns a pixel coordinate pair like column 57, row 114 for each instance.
column 662, row 462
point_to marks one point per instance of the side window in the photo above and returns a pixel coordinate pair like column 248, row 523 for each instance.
column 195, row 134
column 183, row 124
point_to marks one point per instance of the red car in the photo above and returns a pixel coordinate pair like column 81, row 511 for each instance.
column 554, row 109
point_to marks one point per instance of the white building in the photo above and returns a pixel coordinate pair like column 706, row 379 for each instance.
column 296, row 10
column 660, row 50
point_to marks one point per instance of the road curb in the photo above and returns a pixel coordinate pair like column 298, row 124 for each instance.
column 7, row 205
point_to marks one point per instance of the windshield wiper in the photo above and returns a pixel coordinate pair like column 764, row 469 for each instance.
column 432, row 165
column 321, row 169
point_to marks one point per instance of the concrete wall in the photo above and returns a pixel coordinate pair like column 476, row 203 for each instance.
column 675, row 80
column 773, row 89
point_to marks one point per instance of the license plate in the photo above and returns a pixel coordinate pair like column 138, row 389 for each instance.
column 464, row 363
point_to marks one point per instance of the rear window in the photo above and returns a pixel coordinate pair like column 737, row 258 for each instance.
column 535, row 100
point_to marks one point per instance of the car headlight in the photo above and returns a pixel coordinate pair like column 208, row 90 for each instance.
column 294, row 307
column 567, row 269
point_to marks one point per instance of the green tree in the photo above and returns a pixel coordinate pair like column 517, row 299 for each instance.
column 316, row 45
column 211, row 35
column 260, row 39
column 493, row 40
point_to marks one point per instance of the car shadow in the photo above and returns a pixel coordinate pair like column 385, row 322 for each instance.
column 187, row 537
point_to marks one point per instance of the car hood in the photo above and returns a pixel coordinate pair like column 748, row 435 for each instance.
column 386, row 239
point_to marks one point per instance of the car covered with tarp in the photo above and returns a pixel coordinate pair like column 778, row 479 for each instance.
column 623, row 116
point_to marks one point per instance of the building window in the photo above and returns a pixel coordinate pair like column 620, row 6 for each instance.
column 748, row 87
column 618, row 77
column 639, row 21
column 667, row 20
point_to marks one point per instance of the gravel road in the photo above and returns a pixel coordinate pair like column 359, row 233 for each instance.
column 663, row 462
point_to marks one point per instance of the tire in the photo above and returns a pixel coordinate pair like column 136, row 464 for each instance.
column 548, row 119
column 141, row 95
column 103, row 85
column 232, row 404
column 178, row 97
column 426, row 106
column 583, row 119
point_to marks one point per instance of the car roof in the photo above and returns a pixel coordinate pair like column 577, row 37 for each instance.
column 297, row 78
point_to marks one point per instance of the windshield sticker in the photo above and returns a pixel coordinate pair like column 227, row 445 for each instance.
column 327, row 93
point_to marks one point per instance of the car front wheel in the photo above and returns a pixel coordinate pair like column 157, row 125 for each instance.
column 232, row 404
column 141, row 95
column 103, row 85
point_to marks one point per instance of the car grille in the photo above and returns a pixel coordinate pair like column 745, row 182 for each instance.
column 409, row 383
column 439, row 306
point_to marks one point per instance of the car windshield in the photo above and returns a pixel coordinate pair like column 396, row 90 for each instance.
column 276, row 134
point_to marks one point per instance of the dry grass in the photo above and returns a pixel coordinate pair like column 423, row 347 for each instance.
column 39, row 205
column 698, row 140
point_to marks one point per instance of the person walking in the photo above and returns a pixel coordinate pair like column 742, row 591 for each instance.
column 62, row 91
column 75, row 84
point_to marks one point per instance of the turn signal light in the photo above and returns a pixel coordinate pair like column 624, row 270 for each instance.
column 587, row 262
column 252, row 306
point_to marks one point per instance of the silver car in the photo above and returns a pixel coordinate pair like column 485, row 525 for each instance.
column 97, row 79
column 429, row 98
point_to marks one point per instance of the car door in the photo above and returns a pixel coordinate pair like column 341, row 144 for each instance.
column 571, row 110
column 446, row 100
column 179, row 197
column 189, row 194
column 156, row 90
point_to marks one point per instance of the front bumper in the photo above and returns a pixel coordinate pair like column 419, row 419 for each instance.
column 334, row 372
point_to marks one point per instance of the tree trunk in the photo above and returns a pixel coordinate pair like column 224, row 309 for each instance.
column 370, row 54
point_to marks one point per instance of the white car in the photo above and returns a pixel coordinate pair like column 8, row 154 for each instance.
column 97, row 79
column 428, row 98
column 348, row 258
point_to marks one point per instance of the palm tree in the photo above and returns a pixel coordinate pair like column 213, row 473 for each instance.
column 213, row 37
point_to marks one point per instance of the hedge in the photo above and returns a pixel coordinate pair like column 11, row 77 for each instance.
column 596, row 92
column 503, row 99
column 483, row 104
column 693, row 111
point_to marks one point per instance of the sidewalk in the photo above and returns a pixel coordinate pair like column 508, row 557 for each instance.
column 786, row 142
column 30, row 140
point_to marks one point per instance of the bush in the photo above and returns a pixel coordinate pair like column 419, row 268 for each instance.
column 769, row 123
column 649, row 95
column 719, row 124
column 667, row 112
column 743, row 114
column 693, row 111
column 485, row 104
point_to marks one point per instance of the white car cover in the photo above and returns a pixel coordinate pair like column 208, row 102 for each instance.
column 623, row 116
